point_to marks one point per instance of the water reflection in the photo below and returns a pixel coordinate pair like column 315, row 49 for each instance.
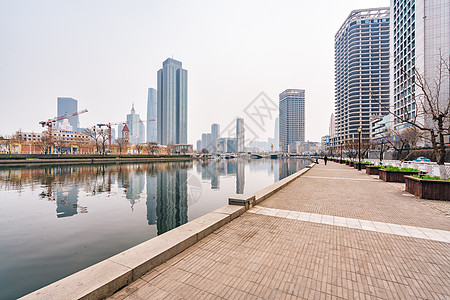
column 166, row 188
column 107, row 209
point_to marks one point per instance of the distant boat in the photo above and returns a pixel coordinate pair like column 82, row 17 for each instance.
column 274, row 156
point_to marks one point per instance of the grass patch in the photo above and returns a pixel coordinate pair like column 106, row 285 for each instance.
column 392, row 168
column 428, row 177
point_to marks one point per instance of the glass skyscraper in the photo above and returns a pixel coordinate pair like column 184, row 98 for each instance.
column 215, row 135
column 67, row 106
column 152, row 104
column 361, row 72
column 240, row 134
column 172, row 103
column 292, row 117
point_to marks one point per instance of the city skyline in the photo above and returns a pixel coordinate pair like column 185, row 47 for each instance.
column 96, row 79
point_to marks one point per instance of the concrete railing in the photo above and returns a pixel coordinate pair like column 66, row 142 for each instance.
column 432, row 168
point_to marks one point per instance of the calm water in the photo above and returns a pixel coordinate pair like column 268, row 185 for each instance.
column 55, row 221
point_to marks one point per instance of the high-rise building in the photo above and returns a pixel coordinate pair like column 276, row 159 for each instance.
column 141, row 139
column 292, row 117
column 331, row 129
column 67, row 106
column 152, row 105
column 419, row 38
column 135, row 126
column 240, row 135
column 172, row 103
column 215, row 134
column 361, row 71
column 199, row 145
column 276, row 136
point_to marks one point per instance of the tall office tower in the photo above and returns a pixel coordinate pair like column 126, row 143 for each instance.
column 199, row 145
column 361, row 69
column 292, row 117
column 331, row 129
column 172, row 103
column 68, row 106
column 420, row 36
column 276, row 135
column 204, row 141
column 215, row 135
column 152, row 105
column 141, row 139
column 133, row 123
column 240, row 135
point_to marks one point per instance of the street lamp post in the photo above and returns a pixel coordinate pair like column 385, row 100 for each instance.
column 359, row 149
column 341, row 149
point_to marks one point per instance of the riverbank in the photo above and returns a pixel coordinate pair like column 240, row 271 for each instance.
column 106, row 277
column 88, row 160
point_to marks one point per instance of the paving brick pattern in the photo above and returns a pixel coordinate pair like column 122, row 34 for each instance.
column 260, row 256
column 404, row 230
column 345, row 192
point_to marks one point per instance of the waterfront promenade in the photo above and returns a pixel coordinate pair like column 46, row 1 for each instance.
column 333, row 233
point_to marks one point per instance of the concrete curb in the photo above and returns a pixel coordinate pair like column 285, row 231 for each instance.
column 44, row 162
column 106, row 277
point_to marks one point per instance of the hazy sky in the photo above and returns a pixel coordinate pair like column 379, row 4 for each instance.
column 106, row 54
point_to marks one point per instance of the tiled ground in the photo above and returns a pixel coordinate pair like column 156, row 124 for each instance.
column 339, row 190
column 264, row 257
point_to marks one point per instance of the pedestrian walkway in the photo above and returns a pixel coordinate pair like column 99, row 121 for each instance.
column 334, row 233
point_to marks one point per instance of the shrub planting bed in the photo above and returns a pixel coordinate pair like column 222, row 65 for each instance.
column 428, row 187
column 395, row 174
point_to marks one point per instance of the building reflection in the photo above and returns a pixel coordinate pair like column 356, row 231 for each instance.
column 152, row 184
column 66, row 201
column 240, row 176
column 288, row 167
column 213, row 170
column 171, row 199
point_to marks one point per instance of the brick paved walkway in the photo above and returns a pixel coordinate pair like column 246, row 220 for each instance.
column 258, row 256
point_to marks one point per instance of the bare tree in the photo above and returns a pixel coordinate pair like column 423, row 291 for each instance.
column 403, row 140
column 99, row 136
column 44, row 143
column 431, row 101
column 170, row 148
column 61, row 144
column 152, row 147
column 121, row 144
column 139, row 148
column 92, row 134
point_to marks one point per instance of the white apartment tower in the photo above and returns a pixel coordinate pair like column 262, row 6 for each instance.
column 361, row 72
column 419, row 38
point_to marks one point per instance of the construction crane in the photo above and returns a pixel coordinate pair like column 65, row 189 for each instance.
column 49, row 122
column 108, row 125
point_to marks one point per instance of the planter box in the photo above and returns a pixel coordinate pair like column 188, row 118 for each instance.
column 372, row 170
column 347, row 162
column 394, row 176
column 341, row 161
column 351, row 164
column 428, row 189
column 363, row 166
